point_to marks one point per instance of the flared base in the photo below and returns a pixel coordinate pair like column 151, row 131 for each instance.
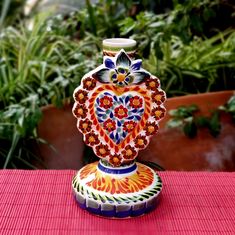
column 119, row 192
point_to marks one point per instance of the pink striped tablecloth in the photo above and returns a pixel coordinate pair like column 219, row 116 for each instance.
column 41, row 202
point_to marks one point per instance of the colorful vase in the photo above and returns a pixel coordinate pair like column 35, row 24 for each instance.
column 118, row 106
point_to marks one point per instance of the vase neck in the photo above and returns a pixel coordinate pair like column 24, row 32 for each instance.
column 127, row 169
column 112, row 46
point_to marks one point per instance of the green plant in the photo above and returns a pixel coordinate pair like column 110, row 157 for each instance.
column 10, row 11
column 190, row 121
column 229, row 107
column 37, row 67
column 198, row 64
column 202, row 66
column 17, row 130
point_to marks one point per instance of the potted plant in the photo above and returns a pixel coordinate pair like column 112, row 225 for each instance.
column 201, row 141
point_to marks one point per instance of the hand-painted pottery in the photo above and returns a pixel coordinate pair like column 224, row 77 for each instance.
column 118, row 106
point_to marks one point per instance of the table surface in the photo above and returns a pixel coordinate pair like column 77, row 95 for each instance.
column 41, row 202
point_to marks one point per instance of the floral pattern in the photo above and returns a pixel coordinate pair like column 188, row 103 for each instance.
column 129, row 126
column 81, row 96
column 118, row 107
column 85, row 125
column 89, row 83
column 115, row 160
column 129, row 153
column 158, row 113
column 136, row 102
column 151, row 128
column 109, row 125
column 140, row 142
column 158, row 97
column 122, row 114
column 102, row 150
column 91, row 139
column 80, row 111
column 152, row 83
column 106, row 102
column 121, row 71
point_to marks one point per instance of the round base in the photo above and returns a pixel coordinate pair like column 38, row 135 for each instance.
column 119, row 192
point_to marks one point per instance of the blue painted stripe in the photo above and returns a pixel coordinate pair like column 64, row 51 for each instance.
column 117, row 171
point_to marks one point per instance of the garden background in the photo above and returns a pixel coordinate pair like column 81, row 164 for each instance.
column 47, row 46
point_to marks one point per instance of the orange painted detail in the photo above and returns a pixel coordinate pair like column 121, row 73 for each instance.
column 136, row 182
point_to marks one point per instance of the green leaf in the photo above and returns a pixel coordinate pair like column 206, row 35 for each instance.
column 214, row 124
column 172, row 123
column 190, row 129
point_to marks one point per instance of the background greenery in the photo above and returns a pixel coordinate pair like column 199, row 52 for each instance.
column 190, row 45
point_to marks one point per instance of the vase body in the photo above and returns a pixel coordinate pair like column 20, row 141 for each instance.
column 118, row 106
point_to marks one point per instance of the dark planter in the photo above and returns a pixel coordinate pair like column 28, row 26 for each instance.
column 58, row 128
column 171, row 149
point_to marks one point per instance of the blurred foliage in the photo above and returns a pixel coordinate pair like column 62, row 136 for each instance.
column 10, row 11
column 37, row 67
column 190, row 45
column 229, row 107
column 187, row 119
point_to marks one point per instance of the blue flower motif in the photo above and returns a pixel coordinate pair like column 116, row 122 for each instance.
column 121, row 70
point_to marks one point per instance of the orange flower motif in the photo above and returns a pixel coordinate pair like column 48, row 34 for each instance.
column 115, row 160
column 109, row 125
column 102, row 150
column 158, row 97
column 140, row 142
column 152, row 84
column 80, row 111
column 89, row 83
column 120, row 112
column 91, row 139
column 81, row 96
column 106, row 102
column 158, row 113
column 128, row 126
column 85, row 125
column 136, row 102
column 129, row 153
column 151, row 128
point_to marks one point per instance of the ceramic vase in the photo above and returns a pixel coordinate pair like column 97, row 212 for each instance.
column 118, row 107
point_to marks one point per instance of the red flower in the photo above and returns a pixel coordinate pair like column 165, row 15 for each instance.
column 136, row 102
column 140, row 142
column 102, row 150
column 158, row 97
column 85, row 125
column 129, row 126
column 109, row 125
column 91, row 139
column 89, row 83
column 80, row 111
column 151, row 128
column 120, row 112
column 129, row 153
column 106, row 102
column 81, row 96
column 115, row 160
column 158, row 113
column 152, row 83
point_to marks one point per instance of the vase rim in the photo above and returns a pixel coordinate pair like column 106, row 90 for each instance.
column 119, row 42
